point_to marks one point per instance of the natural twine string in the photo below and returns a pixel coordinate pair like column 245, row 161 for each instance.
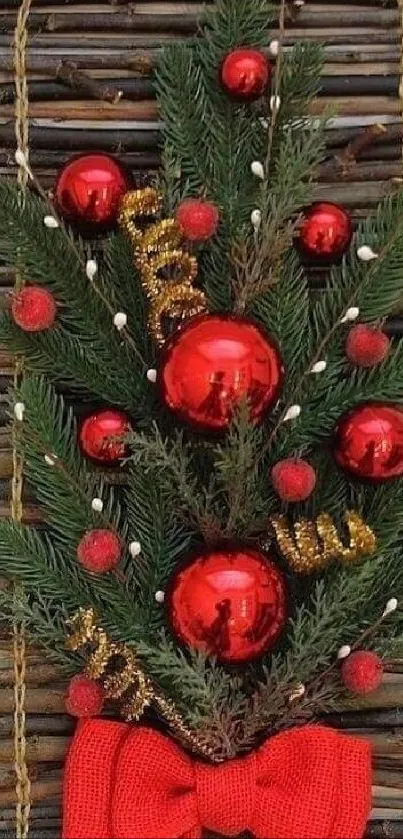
column 23, row 785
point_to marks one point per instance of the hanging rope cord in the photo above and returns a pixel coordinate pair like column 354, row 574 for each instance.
column 23, row 786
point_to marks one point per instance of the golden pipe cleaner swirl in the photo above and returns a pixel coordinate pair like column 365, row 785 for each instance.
column 309, row 546
column 167, row 271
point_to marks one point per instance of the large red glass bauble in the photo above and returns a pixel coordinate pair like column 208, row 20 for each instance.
column 89, row 189
column 214, row 363
column 98, row 436
column 245, row 74
column 325, row 232
column 369, row 441
column 228, row 603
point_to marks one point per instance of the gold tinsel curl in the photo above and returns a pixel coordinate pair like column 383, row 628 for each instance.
column 157, row 251
column 309, row 546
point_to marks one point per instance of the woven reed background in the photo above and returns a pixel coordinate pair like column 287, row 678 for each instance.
column 362, row 77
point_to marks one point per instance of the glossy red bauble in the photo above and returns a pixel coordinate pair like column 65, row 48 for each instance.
column 213, row 364
column 197, row 219
column 369, row 442
column 85, row 697
column 325, row 232
column 362, row 672
column 293, row 479
column 366, row 346
column 99, row 551
column 89, row 189
column 228, row 603
column 99, row 436
column 245, row 74
column 33, row 308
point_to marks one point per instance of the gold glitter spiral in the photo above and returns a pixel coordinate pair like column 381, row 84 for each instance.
column 123, row 678
column 166, row 270
column 309, row 546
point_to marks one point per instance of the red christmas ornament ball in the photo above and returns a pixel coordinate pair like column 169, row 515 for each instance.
column 369, row 442
column 33, row 308
column 99, row 433
column 293, row 479
column 99, row 551
column 228, row 603
column 245, row 74
column 214, row 363
column 85, row 698
column 89, row 189
column 362, row 672
column 325, row 232
column 198, row 219
column 366, row 346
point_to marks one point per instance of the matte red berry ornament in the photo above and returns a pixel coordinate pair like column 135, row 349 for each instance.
column 99, row 436
column 89, row 189
column 228, row 603
column 85, row 698
column 213, row 364
column 198, row 219
column 293, row 479
column 99, row 551
column 245, row 74
column 33, row 308
column 366, row 346
column 362, row 672
column 369, row 442
column 325, row 232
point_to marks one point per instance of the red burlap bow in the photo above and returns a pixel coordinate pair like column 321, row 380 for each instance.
column 125, row 782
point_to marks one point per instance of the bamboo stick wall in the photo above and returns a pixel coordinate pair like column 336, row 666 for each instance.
column 113, row 108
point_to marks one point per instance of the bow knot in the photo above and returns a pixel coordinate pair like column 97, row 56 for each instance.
column 130, row 782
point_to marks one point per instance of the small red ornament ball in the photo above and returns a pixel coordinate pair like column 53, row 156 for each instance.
column 85, row 697
column 293, row 479
column 197, row 219
column 214, row 363
column 99, row 551
column 89, row 189
column 245, row 74
column 369, row 442
column 99, row 436
column 33, row 308
column 325, row 232
column 362, row 672
column 366, row 346
column 229, row 603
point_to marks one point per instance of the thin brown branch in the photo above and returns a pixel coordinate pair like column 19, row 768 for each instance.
column 69, row 73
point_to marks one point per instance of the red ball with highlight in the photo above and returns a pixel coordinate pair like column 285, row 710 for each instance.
column 85, row 697
column 369, row 442
column 100, row 433
column 33, row 309
column 197, row 219
column 89, row 189
column 325, row 232
column 362, row 672
column 99, row 551
column 245, row 74
column 293, row 479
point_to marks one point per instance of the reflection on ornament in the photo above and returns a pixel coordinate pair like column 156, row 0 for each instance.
column 89, row 189
column 213, row 365
column 230, row 603
column 309, row 546
column 116, row 665
column 325, row 232
column 167, row 271
column 101, row 436
column 369, row 442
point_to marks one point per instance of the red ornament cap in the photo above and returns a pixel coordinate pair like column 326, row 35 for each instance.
column 99, row 433
column 198, row 219
column 33, row 308
column 228, row 603
column 214, row 363
column 293, row 479
column 325, row 232
column 99, row 551
column 369, row 441
column 89, row 189
column 366, row 346
column 362, row 672
column 245, row 74
column 85, row 698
